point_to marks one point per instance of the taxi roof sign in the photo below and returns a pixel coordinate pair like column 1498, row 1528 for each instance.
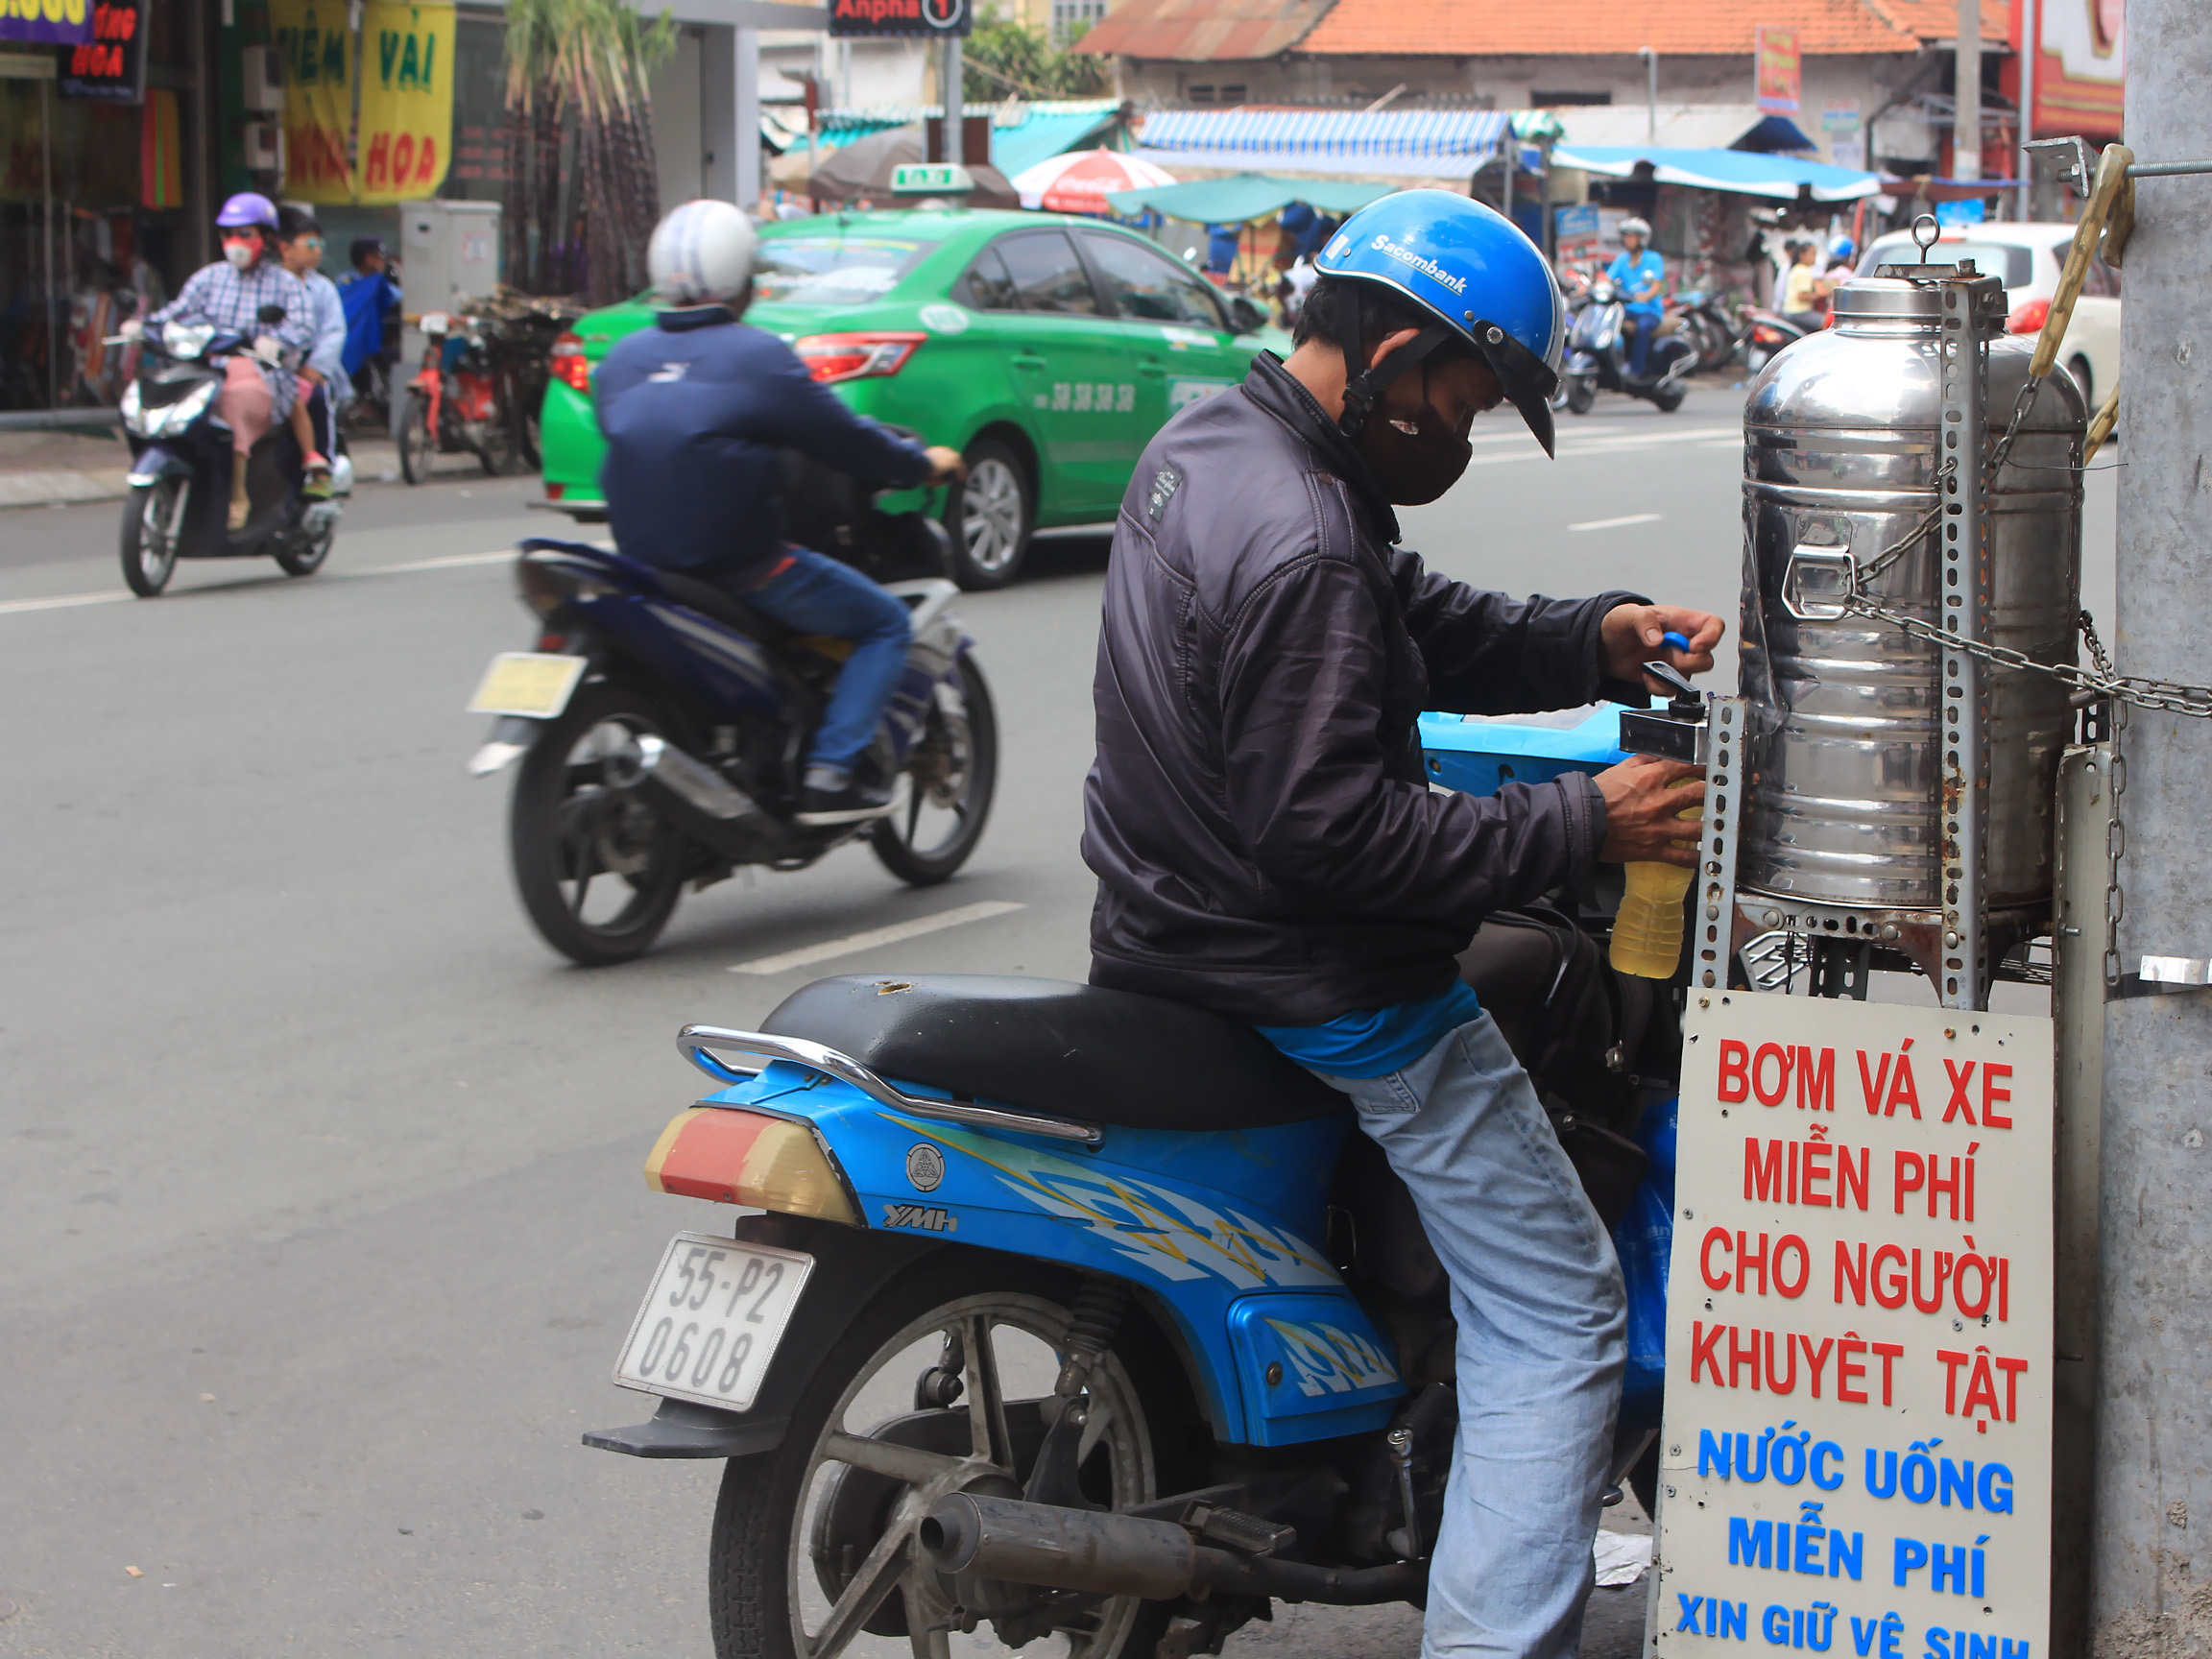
column 931, row 179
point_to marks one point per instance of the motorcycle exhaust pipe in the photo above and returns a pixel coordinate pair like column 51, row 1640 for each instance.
column 1106, row 1555
column 686, row 792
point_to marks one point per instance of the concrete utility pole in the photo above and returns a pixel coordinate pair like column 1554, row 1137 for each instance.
column 1966, row 105
column 2154, row 1382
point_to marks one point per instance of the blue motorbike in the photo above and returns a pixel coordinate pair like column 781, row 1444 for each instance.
column 1080, row 1314
column 661, row 726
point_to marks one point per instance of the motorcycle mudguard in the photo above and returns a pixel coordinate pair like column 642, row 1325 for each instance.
column 1217, row 1230
column 851, row 1266
column 155, row 462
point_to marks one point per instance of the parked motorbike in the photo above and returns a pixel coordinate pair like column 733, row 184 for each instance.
column 464, row 400
column 181, row 461
column 1077, row 1312
column 1763, row 334
column 1698, row 317
column 1598, row 355
column 662, row 727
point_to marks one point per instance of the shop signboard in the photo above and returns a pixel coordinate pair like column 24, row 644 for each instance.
column 111, row 67
column 405, row 144
column 49, row 22
column 1846, row 139
column 909, row 17
column 1856, row 1458
column 2080, row 62
column 1776, row 70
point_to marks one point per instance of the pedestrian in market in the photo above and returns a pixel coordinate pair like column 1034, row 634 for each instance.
column 1267, row 846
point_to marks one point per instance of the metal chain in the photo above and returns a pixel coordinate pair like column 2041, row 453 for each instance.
column 2171, row 696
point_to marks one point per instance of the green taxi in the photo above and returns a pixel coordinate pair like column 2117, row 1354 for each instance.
column 1048, row 349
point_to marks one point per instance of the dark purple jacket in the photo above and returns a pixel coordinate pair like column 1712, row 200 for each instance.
column 1264, row 836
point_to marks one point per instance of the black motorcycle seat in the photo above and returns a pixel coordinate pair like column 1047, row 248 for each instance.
column 1055, row 1047
column 712, row 601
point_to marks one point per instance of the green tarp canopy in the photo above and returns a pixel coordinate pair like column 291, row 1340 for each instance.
column 1245, row 197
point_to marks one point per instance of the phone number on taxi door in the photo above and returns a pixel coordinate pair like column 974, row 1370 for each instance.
column 1097, row 396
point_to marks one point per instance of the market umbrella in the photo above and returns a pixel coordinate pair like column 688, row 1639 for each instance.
column 863, row 168
column 1246, row 197
column 1081, row 180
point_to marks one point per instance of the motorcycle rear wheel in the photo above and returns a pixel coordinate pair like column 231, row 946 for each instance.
column 567, row 830
column 791, row 1526
column 307, row 560
column 417, row 443
column 952, row 775
column 153, row 531
column 1582, row 395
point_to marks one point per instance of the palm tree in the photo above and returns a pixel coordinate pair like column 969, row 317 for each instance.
column 583, row 191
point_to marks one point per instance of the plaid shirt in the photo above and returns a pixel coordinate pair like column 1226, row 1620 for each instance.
column 232, row 299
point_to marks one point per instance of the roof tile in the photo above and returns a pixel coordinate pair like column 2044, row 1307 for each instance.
column 1617, row 28
column 1201, row 31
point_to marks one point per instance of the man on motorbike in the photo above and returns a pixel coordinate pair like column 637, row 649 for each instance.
column 694, row 411
column 258, row 388
column 314, row 417
column 1268, row 844
column 1639, row 274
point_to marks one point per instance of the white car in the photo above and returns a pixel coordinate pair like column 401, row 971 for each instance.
column 2030, row 257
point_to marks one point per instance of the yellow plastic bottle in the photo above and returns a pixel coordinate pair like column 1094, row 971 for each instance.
column 1648, row 932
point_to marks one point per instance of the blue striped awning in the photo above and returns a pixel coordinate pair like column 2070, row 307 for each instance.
column 1434, row 141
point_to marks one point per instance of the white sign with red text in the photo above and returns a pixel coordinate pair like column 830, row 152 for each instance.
column 1857, row 1452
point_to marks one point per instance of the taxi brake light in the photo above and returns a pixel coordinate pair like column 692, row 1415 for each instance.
column 736, row 1157
column 833, row 357
column 569, row 364
column 2027, row 317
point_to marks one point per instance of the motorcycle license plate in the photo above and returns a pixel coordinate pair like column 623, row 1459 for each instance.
column 713, row 1320
column 533, row 684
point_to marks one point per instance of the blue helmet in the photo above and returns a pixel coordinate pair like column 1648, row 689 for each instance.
column 1843, row 247
column 1471, row 267
column 247, row 209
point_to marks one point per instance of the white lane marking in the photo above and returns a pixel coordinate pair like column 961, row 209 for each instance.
column 62, row 601
column 869, row 941
column 1616, row 523
column 450, row 561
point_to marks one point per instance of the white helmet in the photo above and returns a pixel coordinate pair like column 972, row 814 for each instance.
column 1636, row 228
column 702, row 254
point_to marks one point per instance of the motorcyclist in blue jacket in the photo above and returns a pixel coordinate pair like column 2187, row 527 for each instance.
column 694, row 410
column 1642, row 277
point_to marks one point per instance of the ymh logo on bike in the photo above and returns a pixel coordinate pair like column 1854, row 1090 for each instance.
column 404, row 140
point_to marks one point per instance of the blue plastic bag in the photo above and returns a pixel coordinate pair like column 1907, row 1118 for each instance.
column 1644, row 1241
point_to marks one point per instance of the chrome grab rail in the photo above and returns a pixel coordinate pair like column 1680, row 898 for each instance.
column 701, row 1044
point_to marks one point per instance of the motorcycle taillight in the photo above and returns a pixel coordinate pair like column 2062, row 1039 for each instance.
column 729, row 1156
column 569, row 364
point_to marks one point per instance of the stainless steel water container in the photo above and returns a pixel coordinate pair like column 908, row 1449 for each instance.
column 1841, row 447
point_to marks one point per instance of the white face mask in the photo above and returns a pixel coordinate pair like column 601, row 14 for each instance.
column 240, row 254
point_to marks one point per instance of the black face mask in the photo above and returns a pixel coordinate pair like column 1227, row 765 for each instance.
column 1414, row 467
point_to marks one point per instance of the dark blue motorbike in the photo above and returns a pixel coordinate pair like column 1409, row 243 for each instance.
column 661, row 726
column 180, row 462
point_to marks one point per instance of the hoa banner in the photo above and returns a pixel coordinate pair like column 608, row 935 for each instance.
column 1856, row 1458
column 405, row 63
column 49, row 22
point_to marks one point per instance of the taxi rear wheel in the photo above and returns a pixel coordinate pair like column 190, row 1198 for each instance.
column 991, row 517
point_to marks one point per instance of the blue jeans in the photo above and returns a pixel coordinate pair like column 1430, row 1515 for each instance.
column 1640, row 343
column 818, row 595
column 1542, row 1315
